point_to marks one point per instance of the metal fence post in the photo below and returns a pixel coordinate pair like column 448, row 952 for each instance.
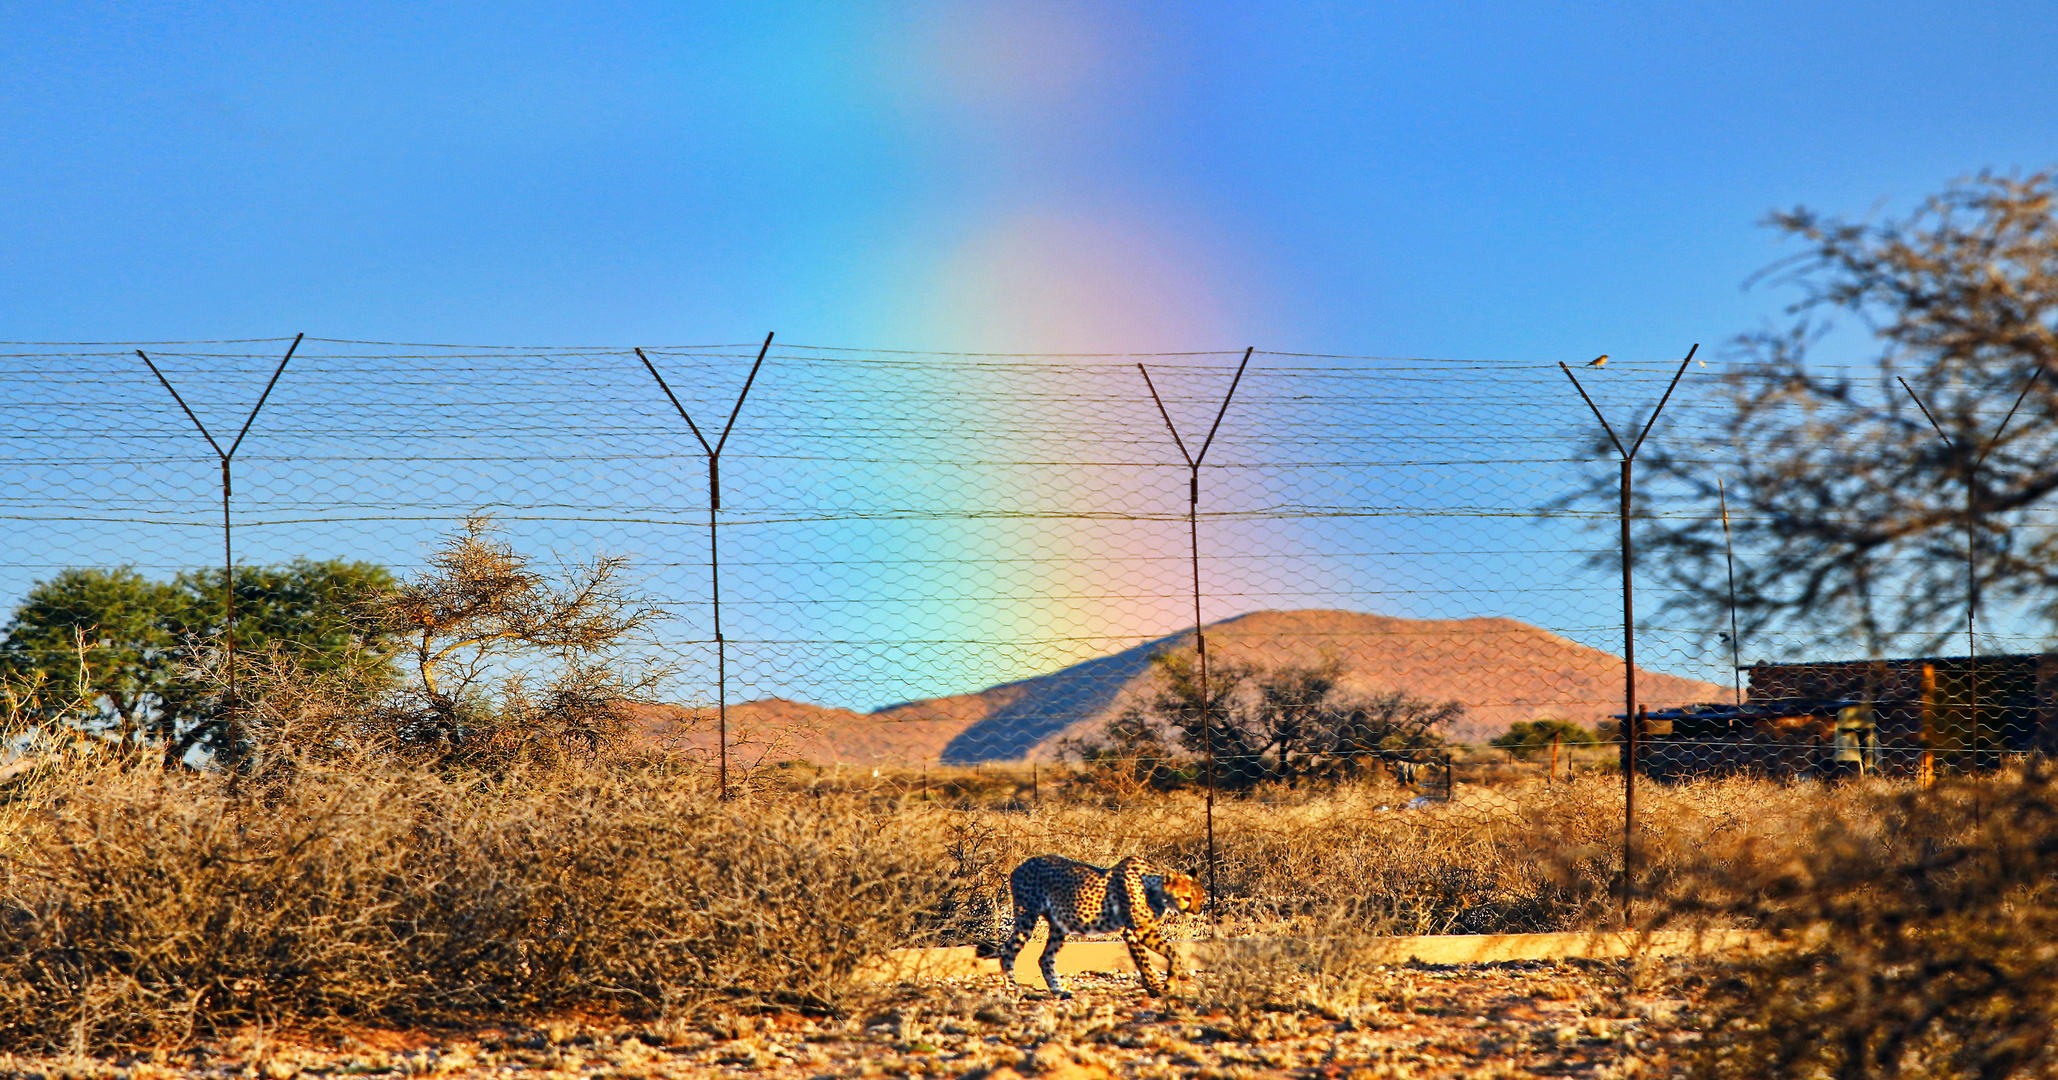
column 1970, row 459
column 232, row 734
column 1200, row 639
column 1629, row 703
column 714, row 550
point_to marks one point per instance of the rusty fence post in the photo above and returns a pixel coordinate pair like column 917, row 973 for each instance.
column 1626, row 513
column 714, row 550
column 1736, row 665
column 1635, row 725
column 232, row 734
column 1970, row 458
column 1200, row 639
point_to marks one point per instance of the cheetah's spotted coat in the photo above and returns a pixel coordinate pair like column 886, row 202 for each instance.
column 1075, row 898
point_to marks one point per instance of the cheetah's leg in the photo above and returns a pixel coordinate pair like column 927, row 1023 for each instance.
column 1025, row 924
column 1145, row 967
column 1143, row 929
column 1050, row 960
column 1155, row 941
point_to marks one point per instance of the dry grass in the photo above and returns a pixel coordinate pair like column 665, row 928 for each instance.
column 144, row 909
column 1913, row 929
column 1918, row 931
column 1518, row 857
column 149, row 910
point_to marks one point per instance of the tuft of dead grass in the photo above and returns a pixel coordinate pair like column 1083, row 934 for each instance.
column 141, row 909
column 1335, row 975
column 1916, row 932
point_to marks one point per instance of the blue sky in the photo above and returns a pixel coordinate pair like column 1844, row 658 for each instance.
column 1492, row 181
column 1515, row 184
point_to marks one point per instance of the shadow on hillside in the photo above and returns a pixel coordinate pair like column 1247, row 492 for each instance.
column 1049, row 704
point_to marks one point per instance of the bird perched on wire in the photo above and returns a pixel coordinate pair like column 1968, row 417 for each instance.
column 1598, row 361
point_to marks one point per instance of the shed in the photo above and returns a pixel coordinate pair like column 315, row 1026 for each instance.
column 1903, row 717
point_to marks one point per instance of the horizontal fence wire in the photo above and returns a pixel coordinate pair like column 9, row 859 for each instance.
column 947, row 565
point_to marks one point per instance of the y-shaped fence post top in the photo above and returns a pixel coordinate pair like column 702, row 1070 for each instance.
column 714, row 551
column 228, row 553
column 1629, row 452
column 1200, row 639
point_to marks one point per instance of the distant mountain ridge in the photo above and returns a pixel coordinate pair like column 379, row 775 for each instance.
column 1503, row 671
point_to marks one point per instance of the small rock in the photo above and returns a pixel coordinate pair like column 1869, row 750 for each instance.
column 1054, row 1062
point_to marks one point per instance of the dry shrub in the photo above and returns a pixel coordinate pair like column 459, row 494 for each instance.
column 1353, row 854
column 1337, row 974
column 658, row 901
column 1357, row 861
column 1430, row 870
column 146, row 909
column 1918, row 937
column 1519, row 857
column 139, row 907
column 1523, row 857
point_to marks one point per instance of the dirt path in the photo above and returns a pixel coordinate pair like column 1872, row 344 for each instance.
column 1541, row 1019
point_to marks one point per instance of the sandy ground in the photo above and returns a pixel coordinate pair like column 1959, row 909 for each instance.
column 1546, row 1019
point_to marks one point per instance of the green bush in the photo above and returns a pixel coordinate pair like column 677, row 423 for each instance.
column 1525, row 737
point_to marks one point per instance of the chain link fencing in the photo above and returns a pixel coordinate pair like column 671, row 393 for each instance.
column 967, row 579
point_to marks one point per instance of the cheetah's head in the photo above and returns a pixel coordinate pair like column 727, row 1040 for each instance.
column 1184, row 892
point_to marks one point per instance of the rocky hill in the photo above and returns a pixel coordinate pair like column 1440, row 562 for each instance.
column 1501, row 669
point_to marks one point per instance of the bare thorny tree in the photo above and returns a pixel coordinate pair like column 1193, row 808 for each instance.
column 1852, row 517
column 502, row 662
column 1285, row 723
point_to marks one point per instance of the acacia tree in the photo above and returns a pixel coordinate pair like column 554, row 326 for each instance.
column 1283, row 723
column 139, row 659
column 507, row 661
column 112, row 637
column 1526, row 737
column 310, row 614
column 1852, row 518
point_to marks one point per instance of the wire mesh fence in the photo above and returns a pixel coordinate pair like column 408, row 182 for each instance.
column 925, row 569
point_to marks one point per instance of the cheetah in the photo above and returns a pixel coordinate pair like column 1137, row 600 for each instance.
column 1076, row 898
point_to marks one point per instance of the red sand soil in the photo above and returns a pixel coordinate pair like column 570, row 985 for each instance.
column 1574, row 1019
